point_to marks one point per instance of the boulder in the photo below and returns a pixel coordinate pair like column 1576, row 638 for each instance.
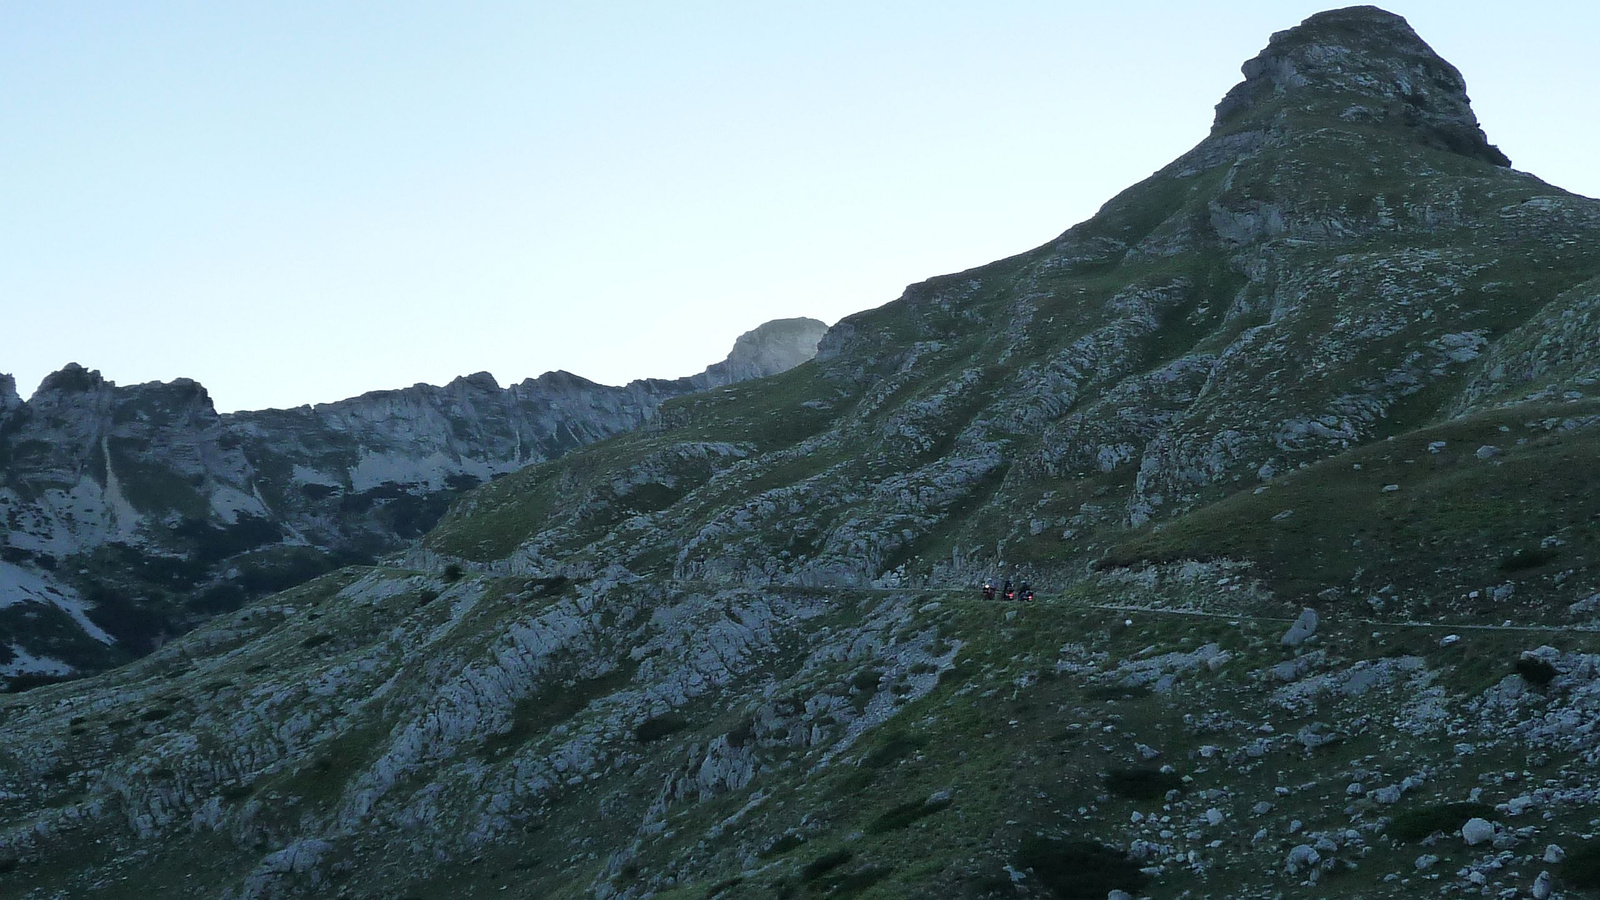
column 1477, row 831
column 1303, row 628
column 1301, row 857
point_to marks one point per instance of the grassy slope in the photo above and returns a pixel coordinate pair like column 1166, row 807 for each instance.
column 1457, row 523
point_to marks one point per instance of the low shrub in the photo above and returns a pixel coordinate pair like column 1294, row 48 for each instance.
column 1523, row 560
column 781, row 845
column 866, row 680
column 658, row 727
column 854, row 783
column 1416, row 824
column 1079, row 869
column 548, row 587
column 894, row 748
column 1142, row 783
column 956, row 675
column 1582, row 867
column 906, row 813
column 1536, row 671
column 824, row 864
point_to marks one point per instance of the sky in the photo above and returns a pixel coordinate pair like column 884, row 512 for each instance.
column 295, row 202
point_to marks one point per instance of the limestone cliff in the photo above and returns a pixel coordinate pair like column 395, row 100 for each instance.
column 130, row 513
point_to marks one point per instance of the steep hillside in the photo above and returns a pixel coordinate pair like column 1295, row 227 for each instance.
column 128, row 514
column 1298, row 437
column 1345, row 260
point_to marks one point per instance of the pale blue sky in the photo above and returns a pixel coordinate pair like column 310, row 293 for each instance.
column 296, row 202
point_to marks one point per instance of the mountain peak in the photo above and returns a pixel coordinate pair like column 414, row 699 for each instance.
column 483, row 381
column 72, row 378
column 1375, row 67
column 768, row 349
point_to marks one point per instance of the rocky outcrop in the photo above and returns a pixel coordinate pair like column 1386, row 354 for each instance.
column 10, row 402
column 1372, row 61
column 769, row 349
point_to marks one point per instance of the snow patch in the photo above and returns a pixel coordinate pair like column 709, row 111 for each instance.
column 19, row 585
column 228, row 502
column 376, row 469
column 307, row 475
column 26, row 663
column 122, row 512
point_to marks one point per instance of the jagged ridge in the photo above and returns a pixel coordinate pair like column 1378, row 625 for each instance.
column 131, row 513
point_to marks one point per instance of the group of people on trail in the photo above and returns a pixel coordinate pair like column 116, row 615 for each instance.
column 1007, row 592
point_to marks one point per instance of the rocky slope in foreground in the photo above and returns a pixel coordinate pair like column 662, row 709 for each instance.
column 1338, row 356
column 128, row 514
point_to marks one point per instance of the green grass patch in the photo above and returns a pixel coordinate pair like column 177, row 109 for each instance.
column 1443, row 534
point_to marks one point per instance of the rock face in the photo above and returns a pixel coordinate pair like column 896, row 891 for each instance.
column 1374, row 59
column 740, row 653
column 774, row 347
column 130, row 513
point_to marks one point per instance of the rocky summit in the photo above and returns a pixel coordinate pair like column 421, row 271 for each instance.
column 1296, row 440
column 130, row 514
